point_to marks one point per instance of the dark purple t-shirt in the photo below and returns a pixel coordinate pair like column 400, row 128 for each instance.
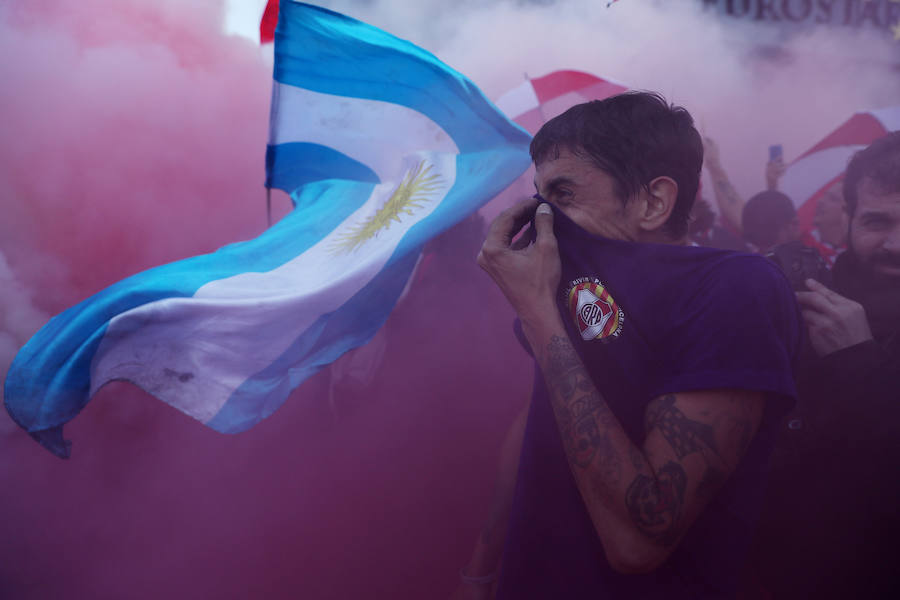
column 651, row 319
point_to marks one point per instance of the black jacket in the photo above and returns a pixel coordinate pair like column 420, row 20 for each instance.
column 831, row 526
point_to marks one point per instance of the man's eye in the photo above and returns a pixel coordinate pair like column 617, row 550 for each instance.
column 875, row 223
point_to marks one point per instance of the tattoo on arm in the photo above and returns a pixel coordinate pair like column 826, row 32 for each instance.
column 655, row 505
column 685, row 435
column 581, row 411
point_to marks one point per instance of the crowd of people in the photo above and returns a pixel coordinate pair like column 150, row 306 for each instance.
column 715, row 410
column 767, row 223
column 830, row 520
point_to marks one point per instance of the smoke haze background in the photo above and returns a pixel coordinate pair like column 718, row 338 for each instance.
column 134, row 135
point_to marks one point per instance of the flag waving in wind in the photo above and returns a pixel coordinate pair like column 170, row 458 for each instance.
column 381, row 147
column 810, row 175
column 268, row 22
column 535, row 101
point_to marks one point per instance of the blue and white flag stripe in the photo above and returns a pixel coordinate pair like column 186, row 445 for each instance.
column 381, row 147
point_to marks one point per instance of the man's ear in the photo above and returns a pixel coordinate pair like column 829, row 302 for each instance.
column 659, row 204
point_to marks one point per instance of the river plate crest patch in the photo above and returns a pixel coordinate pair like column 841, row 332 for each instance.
column 594, row 312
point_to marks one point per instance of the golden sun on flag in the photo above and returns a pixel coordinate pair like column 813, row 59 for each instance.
column 418, row 185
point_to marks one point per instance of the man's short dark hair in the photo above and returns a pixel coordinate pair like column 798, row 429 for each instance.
column 879, row 162
column 634, row 137
column 764, row 216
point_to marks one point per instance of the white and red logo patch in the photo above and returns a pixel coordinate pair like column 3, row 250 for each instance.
column 595, row 313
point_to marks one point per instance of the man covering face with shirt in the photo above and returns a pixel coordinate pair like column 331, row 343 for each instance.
column 661, row 368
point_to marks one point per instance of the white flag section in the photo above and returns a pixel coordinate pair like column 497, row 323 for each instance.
column 381, row 147
column 369, row 127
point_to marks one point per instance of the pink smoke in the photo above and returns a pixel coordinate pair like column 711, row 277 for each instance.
column 135, row 130
column 134, row 135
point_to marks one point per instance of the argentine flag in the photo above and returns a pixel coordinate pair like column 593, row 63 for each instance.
column 381, row 147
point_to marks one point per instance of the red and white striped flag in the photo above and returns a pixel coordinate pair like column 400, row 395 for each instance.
column 535, row 101
column 268, row 22
column 807, row 177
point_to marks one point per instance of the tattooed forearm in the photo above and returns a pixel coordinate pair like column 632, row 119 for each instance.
column 585, row 436
column 686, row 436
column 562, row 367
column 655, row 505
column 581, row 412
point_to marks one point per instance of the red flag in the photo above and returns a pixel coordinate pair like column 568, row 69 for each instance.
column 807, row 177
column 268, row 23
column 535, row 101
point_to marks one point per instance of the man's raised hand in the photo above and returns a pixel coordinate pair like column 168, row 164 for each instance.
column 526, row 272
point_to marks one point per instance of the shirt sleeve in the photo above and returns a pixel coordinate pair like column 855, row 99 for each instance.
column 739, row 329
